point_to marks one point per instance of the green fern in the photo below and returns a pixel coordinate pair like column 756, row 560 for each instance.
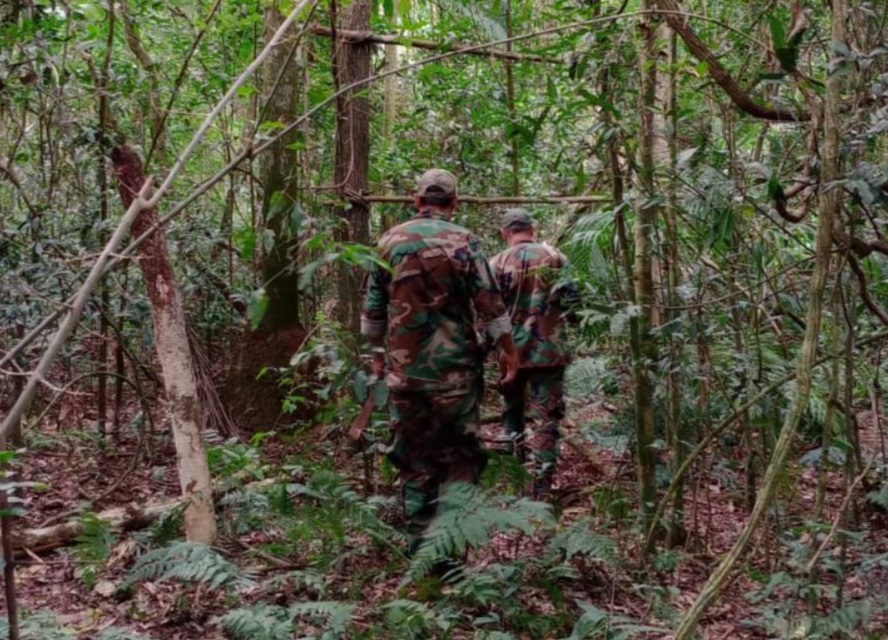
column 879, row 498
column 468, row 516
column 336, row 616
column 116, row 633
column 246, row 510
column 845, row 621
column 595, row 623
column 334, row 514
column 312, row 581
column 580, row 540
column 259, row 622
column 186, row 562
column 584, row 377
column 93, row 546
column 41, row 625
column 411, row 619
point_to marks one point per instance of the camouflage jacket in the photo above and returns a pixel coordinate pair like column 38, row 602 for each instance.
column 530, row 275
column 424, row 305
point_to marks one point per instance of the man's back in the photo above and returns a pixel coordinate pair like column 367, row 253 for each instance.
column 438, row 274
column 528, row 275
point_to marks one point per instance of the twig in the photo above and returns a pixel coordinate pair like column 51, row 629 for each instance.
column 835, row 525
column 359, row 37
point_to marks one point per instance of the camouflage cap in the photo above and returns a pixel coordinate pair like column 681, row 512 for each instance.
column 436, row 183
column 516, row 219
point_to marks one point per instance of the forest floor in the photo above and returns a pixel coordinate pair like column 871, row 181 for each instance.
column 81, row 474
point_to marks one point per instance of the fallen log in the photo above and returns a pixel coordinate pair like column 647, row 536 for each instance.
column 120, row 519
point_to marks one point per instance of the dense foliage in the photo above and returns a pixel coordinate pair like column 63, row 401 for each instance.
column 679, row 154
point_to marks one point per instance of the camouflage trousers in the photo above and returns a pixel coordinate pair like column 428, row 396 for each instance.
column 543, row 389
column 434, row 442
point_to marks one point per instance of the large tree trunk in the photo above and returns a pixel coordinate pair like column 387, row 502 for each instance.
column 171, row 343
column 352, row 63
column 279, row 169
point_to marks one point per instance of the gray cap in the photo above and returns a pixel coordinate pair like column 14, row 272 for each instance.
column 436, row 183
column 517, row 219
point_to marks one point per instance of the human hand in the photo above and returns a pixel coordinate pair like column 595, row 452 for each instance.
column 508, row 363
column 377, row 364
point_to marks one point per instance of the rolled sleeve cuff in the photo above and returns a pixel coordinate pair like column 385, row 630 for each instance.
column 498, row 327
column 372, row 328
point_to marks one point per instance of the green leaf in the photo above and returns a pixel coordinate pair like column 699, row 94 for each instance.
column 778, row 34
column 257, row 307
column 245, row 241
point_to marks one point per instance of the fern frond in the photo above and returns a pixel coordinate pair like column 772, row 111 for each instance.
column 467, row 517
column 95, row 542
column 41, row 625
column 584, row 376
column 187, row 562
column 260, row 622
column 313, row 581
column 580, row 540
column 852, row 617
column 337, row 614
column 116, row 633
column 413, row 619
column 595, row 623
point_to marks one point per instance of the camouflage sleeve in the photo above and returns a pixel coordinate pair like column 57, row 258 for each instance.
column 374, row 314
column 566, row 291
column 486, row 294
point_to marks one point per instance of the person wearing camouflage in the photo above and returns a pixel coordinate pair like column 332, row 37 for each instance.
column 422, row 310
column 530, row 274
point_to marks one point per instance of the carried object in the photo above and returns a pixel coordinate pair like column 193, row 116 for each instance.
column 356, row 430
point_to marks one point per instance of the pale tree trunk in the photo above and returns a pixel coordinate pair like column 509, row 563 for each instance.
column 279, row 169
column 644, row 367
column 677, row 434
column 352, row 63
column 173, row 353
column 830, row 204
column 392, row 96
column 510, row 105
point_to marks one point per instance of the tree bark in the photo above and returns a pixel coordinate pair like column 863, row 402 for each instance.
column 352, row 64
column 279, row 170
column 171, row 343
column 644, row 367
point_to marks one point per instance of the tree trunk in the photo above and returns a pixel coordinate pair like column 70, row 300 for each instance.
column 279, row 169
column 644, row 369
column 352, row 63
column 676, row 431
column 390, row 113
column 171, row 343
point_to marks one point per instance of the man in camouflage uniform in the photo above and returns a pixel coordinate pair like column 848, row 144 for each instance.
column 530, row 276
column 423, row 309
